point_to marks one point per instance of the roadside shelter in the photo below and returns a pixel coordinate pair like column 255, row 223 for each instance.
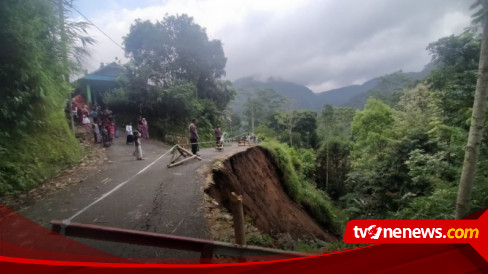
column 93, row 85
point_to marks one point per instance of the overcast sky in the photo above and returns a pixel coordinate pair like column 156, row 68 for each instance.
column 322, row 44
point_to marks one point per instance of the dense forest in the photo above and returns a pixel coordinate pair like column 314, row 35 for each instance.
column 399, row 156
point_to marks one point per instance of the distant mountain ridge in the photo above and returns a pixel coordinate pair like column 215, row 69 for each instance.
column 341, row 96
column 304, row 98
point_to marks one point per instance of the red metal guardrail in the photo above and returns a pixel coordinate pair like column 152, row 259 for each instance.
column 207, row 248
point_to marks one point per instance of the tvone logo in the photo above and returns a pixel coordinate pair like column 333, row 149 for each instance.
column 374, row 232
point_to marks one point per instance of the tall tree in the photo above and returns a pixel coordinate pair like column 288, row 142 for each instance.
column 371, row 129
column 335, row 122
column 305, row 123
column 178, row 48
column 477, row 119
column 332, row 165
column 415, row 112
column 453, row 82
column 35, row 49
column 261, row 106
column 174, row 74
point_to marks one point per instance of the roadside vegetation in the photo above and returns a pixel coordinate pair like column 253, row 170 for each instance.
column 35, row 140
column 296, row 171
column 400, row 155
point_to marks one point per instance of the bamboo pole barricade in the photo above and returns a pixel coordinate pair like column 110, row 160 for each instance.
column 187, row 155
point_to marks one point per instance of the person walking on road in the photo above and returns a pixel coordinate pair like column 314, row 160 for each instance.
column 218, row 136
column 194, row 137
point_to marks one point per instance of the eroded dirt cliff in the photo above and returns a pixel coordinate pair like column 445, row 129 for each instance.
column 254, row 175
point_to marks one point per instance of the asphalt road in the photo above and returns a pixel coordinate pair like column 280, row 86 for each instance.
column 139, row 195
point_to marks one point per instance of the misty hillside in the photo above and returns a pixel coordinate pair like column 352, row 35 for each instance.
column 303, row 98
column 385, row 85
column 341, row 96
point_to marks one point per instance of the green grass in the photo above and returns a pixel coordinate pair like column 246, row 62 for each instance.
column 28, row 160
column 259, row 240
column 315, row 202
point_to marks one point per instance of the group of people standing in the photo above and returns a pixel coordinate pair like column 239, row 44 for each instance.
column 194, row 136
column 104, row 130
column 79, row 113
column 103, row 125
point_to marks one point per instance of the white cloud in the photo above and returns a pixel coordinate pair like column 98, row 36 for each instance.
column 321, row 44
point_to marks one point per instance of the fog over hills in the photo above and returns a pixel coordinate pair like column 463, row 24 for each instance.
column 304, row 98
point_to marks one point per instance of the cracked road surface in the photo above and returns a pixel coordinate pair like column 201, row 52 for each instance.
column 139, row 195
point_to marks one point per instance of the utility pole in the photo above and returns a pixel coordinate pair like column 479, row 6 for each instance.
column 230, row 126
column 250, row 100
column 252, row 117
column 64, row 41
column 327, row 171
column 290, row 126
column 290, row 121
column 227, row 116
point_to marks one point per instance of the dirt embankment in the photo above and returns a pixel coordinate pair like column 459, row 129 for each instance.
column 254, row 175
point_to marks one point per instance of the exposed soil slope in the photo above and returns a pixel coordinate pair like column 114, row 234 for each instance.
column 254, row 175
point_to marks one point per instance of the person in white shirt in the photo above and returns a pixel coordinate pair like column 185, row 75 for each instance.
column 128, row 131
column 86, row 123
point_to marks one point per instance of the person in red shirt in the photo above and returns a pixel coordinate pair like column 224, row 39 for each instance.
column 111, row 131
